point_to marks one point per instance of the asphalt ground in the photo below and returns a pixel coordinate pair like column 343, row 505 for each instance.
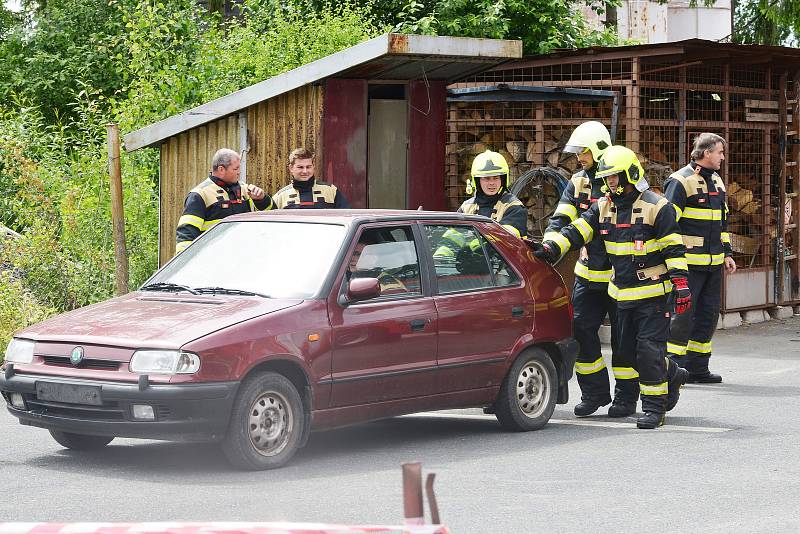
column 726, row 461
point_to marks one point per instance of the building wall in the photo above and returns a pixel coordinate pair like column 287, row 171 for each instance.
column 185, row 162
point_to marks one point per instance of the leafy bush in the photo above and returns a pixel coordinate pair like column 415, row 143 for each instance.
column 18, row 308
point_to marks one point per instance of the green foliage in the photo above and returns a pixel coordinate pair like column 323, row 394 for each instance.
column 773, row 22
column 18, row 307
column 541, row 25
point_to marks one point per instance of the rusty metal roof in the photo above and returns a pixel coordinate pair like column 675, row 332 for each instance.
column 708, row 52
column 387, row 57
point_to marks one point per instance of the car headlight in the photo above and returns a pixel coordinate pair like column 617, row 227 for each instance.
column 19, row 351
column 164, row 362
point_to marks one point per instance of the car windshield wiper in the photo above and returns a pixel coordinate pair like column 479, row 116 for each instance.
column 228, row 291
column 167, row 286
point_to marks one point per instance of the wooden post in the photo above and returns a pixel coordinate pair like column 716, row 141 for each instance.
column 117, row 210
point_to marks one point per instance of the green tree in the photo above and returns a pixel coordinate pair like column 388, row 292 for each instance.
column 767, row 22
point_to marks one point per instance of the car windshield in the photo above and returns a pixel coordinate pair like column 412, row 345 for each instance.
column 274, row 259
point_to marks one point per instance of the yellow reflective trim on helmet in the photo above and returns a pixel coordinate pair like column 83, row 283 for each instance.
column 593, row 276
column 589, row 368
column 584, row 228
column 726, row 237
column 567, row 209
column 669, row 240
column 192, row 220
column 657, row 389
column 678, row 350
column 639, row 292
column 625, row 373
column 676, row 263
column 703, row 214
column 697, row 346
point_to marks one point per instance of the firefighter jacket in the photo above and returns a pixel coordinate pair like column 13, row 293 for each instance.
column 210, row 202
column 582, row 191
column 311, row 194
column 504, row 208
column 641, row 238
column 702, row 211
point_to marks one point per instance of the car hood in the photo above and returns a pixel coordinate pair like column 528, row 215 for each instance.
column 152, row 320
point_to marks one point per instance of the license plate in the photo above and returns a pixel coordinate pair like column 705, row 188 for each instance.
column 69, row 393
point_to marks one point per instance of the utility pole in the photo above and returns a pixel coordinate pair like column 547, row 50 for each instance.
column 117, row 210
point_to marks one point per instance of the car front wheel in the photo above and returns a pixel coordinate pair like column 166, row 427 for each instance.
column 528, row 396
column 266, row 423
column 80, row 442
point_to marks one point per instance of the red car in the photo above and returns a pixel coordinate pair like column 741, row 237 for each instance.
column 275, row 324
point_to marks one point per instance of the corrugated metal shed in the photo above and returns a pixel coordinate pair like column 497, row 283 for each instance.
column 322, row 105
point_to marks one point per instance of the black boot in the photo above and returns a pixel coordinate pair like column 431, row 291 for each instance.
column 588, row 407
column 704, row 378
column 680, row 361
column 622, row 407
column 650, row 420
column 677, row 381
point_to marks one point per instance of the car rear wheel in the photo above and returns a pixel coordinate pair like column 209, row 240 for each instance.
column 80, row 442
column 266, row 425
column 528, row 396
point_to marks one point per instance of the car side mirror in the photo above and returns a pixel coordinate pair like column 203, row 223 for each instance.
column 362, row 289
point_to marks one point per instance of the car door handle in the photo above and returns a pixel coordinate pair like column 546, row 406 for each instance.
column 517, row 311
column 417, row 324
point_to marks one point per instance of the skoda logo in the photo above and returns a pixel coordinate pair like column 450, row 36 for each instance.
column 76, row 356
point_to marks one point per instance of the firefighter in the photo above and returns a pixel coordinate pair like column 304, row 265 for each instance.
column 698, row 194
column 590, row 299
column 305, row 191
column 489, row 183
column 640, row 234
column 217, row 197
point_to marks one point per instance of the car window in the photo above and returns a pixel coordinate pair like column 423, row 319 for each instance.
column 459, row 258
column 504, row 275
column 390, row 255
column 275, row 258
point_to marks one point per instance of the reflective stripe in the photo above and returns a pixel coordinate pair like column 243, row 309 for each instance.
column 181, row 246
column 511, row 229
column 585, row 229
column 443, row 251
column 192, row 220
column 726, row 237
column 567, row 209
column 703, row 214
column 676, row 263
column 593, row 276
column 623, row 373
column 640, row 292
column 562, row 242
column 678, row 212
column 705, row 259
column 697, row 346
column 589, row 368
column 678, row 350
column 211, row 224
column 627, row 248
column 550, row 236
column 671, row 239
column 455, row 236
column 658, row 389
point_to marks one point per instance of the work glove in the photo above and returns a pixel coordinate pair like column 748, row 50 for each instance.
column 683, row 297
column 546, row 250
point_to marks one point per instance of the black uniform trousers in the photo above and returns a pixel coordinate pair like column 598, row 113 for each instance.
column 590, row 306
column 690, row 333
column 643, row 329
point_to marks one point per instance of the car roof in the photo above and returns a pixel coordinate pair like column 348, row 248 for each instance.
column 351, row 217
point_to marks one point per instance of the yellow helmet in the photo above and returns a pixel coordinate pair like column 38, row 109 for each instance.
column 488, row 163
column 592, row 135
column 623, row 161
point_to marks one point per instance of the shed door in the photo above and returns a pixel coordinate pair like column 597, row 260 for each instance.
column 386, row 163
